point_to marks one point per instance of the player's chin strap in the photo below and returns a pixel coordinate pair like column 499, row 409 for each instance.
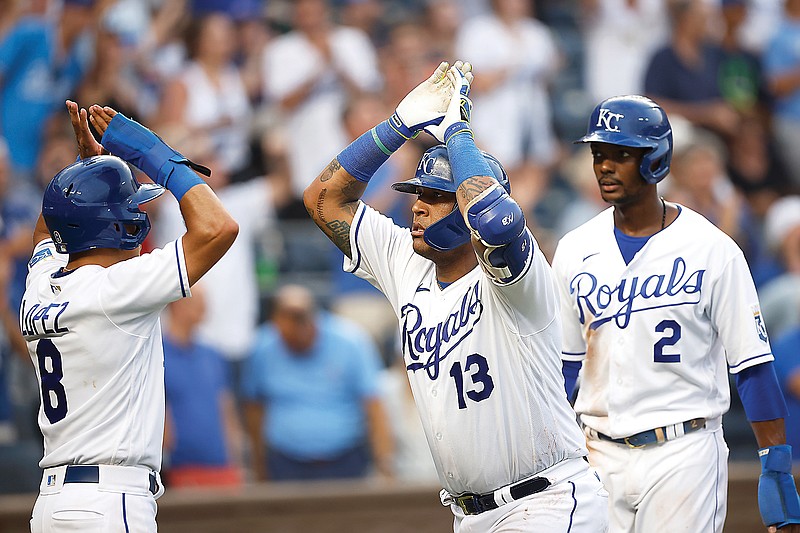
column 497, row 221
column 778, row 501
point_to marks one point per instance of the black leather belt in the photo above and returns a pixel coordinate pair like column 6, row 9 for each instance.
column 656, row 435
column 91, row 474
column 477, row 503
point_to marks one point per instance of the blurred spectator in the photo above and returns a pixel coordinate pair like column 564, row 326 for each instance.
column 698, row 181
column 627, row 30
column 755, row 167
column 741, row 74
column 20, row 205
column 786, row 349
column 684, row 76
column 253, row 35
column 9, row 15
column 160, row 53
column 782, row 66
column 203, row 437
column 110, row 79
column 577, row 171
column 369, row 16
column 235, row 9
column 760, row 24
column 514, row 57
column 412, row 456
column 780, row 297
column 209, row 96
column 231, row 285
column 19, row 447
column 42, row 60
column 406, row 57
column 308, row 73
column 441, row 19
column 315, row 410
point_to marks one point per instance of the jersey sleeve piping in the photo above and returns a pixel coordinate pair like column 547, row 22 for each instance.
column 751, row 361
column 180, row 270
column 357, row 252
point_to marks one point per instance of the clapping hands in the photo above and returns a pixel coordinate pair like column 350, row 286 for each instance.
column 428, row 104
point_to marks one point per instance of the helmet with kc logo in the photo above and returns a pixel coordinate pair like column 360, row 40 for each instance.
column 434, row 172
column 635, row 121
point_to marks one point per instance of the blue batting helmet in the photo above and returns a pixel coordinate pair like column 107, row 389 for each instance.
column 94, row 203
column 433, row 172
column 638, row 122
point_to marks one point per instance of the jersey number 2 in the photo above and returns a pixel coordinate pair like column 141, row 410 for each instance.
column 481, row 376
column 54, row 397
column 668, row 340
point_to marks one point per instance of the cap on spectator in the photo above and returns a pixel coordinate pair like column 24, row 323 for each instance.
column 782, row 217
column 82, row 3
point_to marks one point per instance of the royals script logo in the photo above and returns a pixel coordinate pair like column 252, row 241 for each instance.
column 609, row 120
column 634, row 295
column 428, row 345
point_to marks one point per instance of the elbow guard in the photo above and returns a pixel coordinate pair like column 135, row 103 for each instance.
column 497, row 221
column 494, row 218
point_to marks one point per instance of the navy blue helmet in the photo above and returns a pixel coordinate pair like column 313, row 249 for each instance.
column 638, row 122
column 433, row 172
column 94, row 203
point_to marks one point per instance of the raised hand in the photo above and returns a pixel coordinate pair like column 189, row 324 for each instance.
column 87, row 144
column 425, row 105
column 459, row 107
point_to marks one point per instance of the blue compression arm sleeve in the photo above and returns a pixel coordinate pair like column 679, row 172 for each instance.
column 466, row 160
column 570, row 369
column 761, row 393
column 364, row 156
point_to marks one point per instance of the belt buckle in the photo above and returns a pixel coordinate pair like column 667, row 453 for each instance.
column 467, row 504
column 627, row 441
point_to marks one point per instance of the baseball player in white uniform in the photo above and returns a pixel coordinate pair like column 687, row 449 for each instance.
column 90, row 317
column 479, row 318
column 658, row 305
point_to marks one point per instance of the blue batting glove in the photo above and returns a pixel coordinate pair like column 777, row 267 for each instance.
column 778, row 501
column 142, row 148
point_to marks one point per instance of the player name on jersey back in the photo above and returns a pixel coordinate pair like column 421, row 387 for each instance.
column 42, row 320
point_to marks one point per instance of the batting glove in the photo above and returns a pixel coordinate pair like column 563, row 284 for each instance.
column 424, row 105
column 139, row 146
column 778, row 501
column 459, row 109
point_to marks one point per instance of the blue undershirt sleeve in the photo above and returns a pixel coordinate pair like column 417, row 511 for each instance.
column 570, row 369
column 761, row 393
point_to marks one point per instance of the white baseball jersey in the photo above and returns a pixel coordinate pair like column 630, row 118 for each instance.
column 656, row 336
column 95, row 340
column 482, row 359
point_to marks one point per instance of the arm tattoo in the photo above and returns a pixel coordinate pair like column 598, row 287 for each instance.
column 474, row 186
column 338, row 231
column 333, row 166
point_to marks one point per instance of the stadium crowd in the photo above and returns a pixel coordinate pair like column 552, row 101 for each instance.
column 267, row 92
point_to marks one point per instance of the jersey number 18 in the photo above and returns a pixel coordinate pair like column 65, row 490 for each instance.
column 54, row 396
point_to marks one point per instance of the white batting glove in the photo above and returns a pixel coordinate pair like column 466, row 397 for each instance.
column 459, row 108
column 424, row 105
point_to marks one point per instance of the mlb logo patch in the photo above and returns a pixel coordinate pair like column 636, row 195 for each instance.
column 51, row 480
column 760, row 326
